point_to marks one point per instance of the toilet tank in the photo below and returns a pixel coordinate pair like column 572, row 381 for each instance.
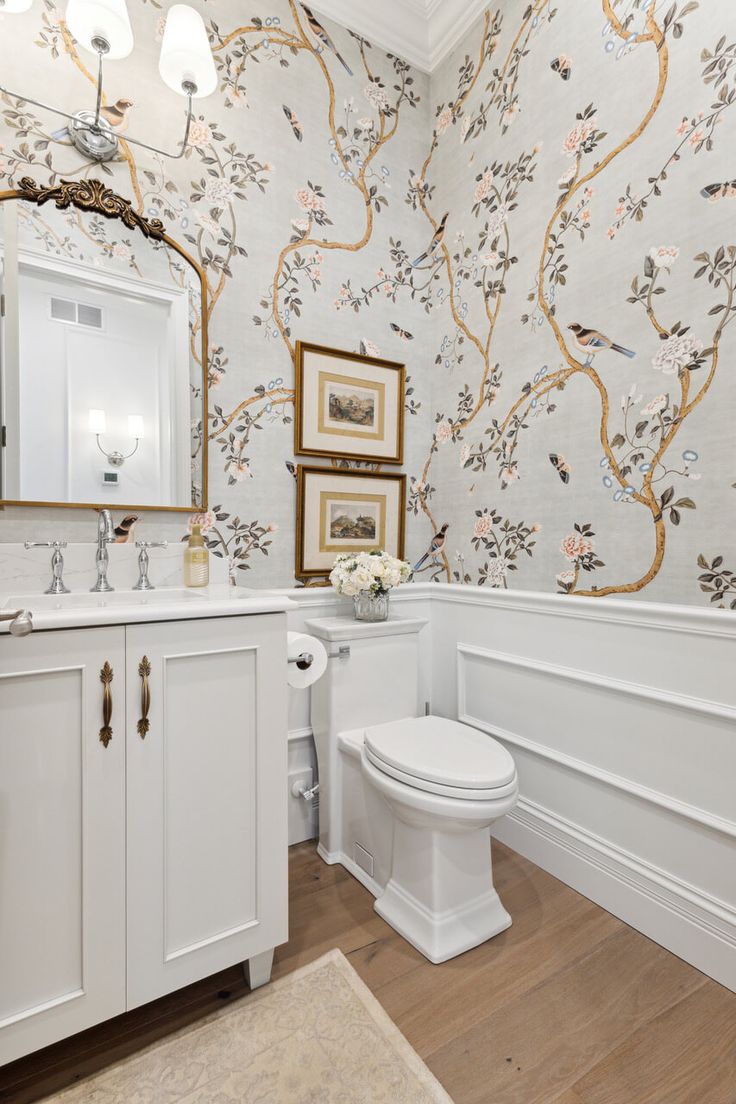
column 376, row 679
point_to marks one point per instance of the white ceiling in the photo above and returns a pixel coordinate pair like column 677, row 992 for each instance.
column 422, row 31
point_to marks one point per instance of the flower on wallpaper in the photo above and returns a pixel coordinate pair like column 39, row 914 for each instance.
column 204, row 521
column 584, row 136
column 496, row 570
column 482, row 525
column 576, row 545
column 664, row 256
column 200, row 134
column 510, row 114
column 310, row 200
column 567, row 177
column 444, row 120
column 497, row 221
column 376, row 95
column 219, row 192
column 656, row 405
column 236, row 97
column 565, row 579
column 443, row 432
column 676, row 352
column 484, row 186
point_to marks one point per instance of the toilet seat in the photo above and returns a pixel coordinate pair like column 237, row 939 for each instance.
column 443, row 757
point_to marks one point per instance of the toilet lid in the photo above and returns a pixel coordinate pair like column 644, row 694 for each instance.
column 445, row 752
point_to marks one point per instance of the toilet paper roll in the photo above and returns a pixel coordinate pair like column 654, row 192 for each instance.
column 299, row 644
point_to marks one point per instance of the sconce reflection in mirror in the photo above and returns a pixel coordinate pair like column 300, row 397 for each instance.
column 98, row 425
column 103, row 28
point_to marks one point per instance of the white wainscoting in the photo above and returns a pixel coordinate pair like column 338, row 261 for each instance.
column 622, row 720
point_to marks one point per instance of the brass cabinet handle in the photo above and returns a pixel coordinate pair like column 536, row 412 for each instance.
column 144, row 670
column 106, row 676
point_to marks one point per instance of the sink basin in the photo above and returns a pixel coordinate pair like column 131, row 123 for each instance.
column 38, row 603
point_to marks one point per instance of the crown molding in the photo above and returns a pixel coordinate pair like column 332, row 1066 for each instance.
column 421, row 31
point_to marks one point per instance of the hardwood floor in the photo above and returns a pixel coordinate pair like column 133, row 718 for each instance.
column 569, row 1006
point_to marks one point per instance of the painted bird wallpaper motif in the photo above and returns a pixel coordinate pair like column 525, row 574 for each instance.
column 553, row 259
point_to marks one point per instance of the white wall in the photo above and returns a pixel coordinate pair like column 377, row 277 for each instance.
column 621, row 722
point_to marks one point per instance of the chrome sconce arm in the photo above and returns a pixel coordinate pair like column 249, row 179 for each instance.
column 116, row 459
column 102, row 27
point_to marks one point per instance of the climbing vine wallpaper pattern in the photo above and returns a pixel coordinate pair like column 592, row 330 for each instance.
column 543, row 231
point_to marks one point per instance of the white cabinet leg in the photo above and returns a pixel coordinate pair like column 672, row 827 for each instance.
column 258, row 969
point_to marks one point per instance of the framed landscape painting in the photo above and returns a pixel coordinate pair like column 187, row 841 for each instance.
column 348, row 405
column 346, row 511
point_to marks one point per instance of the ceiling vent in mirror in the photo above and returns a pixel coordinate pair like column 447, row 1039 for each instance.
column 78, row 314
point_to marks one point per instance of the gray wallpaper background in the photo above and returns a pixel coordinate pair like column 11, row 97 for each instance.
column 583, row 135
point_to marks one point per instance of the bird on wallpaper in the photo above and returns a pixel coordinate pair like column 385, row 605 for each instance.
column 436, row 547
column 291, row 468
column 294, row 123
column 435, row 242
column 117, row 115
column 591, row 342
column 320, row 33
column 124, row 531
column 714, row 192
column 403, row 334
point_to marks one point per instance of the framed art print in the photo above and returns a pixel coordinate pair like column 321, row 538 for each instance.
column 348, row 405
column 346, row 511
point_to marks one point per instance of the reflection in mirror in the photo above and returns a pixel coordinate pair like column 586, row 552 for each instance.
column 101, row 363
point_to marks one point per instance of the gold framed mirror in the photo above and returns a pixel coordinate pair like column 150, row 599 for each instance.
column 103, row 354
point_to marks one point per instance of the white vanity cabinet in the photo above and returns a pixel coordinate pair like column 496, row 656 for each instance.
column 131, row 867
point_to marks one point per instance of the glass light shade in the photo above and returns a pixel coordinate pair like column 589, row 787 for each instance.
column 186, row 53
column 97, row 421
column 108, row 19
column 14, row 7
column 135, row 426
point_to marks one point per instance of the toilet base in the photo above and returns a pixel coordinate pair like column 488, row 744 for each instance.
column 440, row 895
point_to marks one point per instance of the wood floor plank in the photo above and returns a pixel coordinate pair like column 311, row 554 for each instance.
column 569, row 1006
column 686, row 1054
column 538, row 1045
column 435, row 1005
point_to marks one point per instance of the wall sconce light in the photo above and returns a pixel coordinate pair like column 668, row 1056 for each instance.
column 102, row 27
column 98, row 425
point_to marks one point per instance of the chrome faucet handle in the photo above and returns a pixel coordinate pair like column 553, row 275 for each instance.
column 56, row 586
column 144, row 583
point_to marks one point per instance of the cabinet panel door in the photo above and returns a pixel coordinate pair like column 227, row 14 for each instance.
column 62, row 837
column 207, row 848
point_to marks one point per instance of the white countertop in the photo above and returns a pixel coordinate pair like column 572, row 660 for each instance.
column 124, row 607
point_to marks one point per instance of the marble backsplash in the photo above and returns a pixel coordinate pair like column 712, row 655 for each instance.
column 28, row 571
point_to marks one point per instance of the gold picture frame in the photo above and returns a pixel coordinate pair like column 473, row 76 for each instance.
column 348, row 405
column 346, row 511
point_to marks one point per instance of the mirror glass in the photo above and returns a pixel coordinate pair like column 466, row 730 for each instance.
column 101, row 363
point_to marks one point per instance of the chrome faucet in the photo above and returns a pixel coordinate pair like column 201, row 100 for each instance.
column 105, row 536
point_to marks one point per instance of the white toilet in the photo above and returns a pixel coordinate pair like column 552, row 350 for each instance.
column 406, row 801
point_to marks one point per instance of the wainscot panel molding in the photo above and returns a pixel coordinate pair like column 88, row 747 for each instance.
column 697, row 927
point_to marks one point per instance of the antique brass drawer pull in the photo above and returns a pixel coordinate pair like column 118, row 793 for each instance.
column 106, row 676
column 144, row 670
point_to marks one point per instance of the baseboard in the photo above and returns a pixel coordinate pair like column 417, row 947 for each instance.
column 697, row 928
column 332, row 857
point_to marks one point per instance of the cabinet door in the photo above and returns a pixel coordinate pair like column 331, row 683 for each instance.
column 207, row 800
column 62, row 836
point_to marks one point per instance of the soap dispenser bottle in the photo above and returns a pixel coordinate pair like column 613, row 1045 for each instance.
column 196, row 560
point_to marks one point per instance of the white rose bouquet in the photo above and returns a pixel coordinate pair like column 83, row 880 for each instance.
column 376, row 573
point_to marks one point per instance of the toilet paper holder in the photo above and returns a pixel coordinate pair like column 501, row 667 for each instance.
column 303, row 661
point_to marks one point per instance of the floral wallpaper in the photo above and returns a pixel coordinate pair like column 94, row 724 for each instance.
column 543, row 232
column 291, row 196
column 582, row 290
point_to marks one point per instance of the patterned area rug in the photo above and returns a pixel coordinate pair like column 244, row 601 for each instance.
column 317, row 1036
